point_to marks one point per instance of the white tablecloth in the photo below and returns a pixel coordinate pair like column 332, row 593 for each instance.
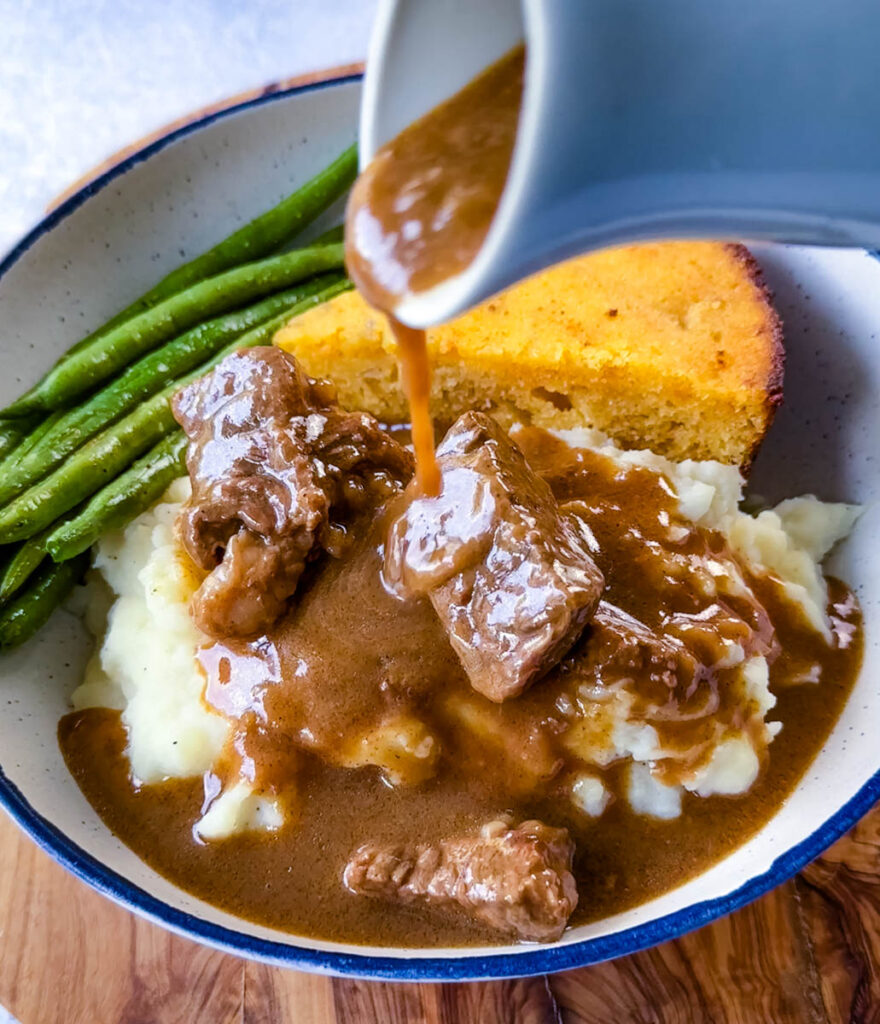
column 79, row 79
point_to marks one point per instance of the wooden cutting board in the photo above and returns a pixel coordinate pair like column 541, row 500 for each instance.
column 807, row 953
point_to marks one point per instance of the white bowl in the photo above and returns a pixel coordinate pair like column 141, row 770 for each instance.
column 118, row 235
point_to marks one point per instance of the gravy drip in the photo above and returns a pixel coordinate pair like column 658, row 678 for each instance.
column 419, row 213
column 416, row 377
column 354, row 710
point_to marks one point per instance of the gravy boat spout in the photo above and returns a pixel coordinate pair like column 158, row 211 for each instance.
column 751, row 119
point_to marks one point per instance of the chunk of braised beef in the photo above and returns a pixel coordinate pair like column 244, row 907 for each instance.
column 515, row 880
column 671, row 681
column 508, row 572
column 619, row 647
column 277, row 470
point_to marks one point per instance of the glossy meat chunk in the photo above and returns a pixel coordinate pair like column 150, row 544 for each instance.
column 516, row 880
column 620, row 648
column 276, row 468
column 509, row 574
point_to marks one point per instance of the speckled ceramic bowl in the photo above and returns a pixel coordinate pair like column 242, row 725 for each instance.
column 115, row 237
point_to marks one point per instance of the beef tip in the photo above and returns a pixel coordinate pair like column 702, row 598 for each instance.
column 666, row 681
column 620, row 648
column 515, row 880
column 509, row 573
column 276, row 468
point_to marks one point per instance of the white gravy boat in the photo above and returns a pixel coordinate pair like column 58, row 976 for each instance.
column 645, row 119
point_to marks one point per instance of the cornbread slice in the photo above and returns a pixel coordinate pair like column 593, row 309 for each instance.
column 671, row 346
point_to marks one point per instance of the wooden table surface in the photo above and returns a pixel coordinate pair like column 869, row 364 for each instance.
column 806, row 953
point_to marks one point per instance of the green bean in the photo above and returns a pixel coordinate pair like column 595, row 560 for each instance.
column 98, row 461
column 102, row 458
column 113, row 507
column 140, row 381
column 330, row 236
column 252, row 241
column 36, row 435
column 26, row 560
column 13, row 433
column 265, row 233
column 7, row 553
column 31, row 610
column 112, row 351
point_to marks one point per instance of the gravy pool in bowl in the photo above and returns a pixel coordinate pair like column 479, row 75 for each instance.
column 822, row 442
column 367, row 767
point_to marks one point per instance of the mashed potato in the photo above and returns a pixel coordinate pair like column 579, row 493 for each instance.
column 146, row 664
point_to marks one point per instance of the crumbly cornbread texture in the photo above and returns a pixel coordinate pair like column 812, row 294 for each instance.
column 672, row 346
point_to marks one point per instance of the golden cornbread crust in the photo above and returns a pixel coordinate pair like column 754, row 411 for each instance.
column 775, row 380
column 672, row 346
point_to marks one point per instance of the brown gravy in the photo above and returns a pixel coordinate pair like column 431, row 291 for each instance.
column 416, row 380
column 386, row 659
column 420, row 211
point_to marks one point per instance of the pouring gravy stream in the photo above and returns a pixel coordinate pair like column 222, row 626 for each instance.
column 420, row 212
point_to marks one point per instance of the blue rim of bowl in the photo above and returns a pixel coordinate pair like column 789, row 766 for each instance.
column 531, row 960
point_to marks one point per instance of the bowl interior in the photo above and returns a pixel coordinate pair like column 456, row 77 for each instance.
column 115, row 239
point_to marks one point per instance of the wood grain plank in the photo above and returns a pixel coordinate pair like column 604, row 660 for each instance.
column 840, row 897
column 68, row 955
column 754, row 965
column 517, row 1001
column 365, row 1002
column 272, row 994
